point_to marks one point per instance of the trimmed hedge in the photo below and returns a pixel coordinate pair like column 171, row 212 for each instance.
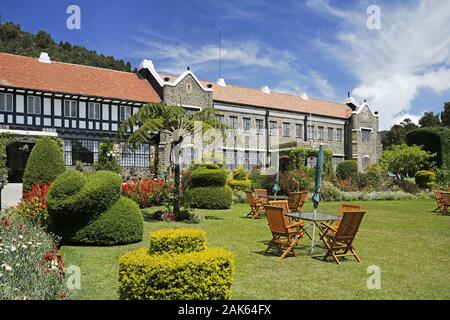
column 45, row 163
column 88, row 209
column 240, row 185
column 121, row 224
column 210, row 197
column 204, row 177
column 182, row 240
column 347, row 169
column 435, row 140
column 178, row 266
column 205, row 275
column 425, row 179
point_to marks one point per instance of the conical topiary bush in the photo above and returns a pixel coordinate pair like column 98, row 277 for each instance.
column 45, row 163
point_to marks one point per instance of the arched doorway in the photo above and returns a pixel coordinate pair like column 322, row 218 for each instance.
column 17, row 157
column 284, row 163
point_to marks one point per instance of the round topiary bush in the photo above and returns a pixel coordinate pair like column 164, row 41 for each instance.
column 210, row 197
column 45, row 163
column 204, row 177
column 425, row 179
column 347, row 169
column 88, row 209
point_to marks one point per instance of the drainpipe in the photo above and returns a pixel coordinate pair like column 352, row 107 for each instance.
column 267, row 138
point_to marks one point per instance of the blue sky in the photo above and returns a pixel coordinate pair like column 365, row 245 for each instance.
column 320, row 47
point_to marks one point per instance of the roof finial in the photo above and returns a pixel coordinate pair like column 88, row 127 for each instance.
column 188, row 68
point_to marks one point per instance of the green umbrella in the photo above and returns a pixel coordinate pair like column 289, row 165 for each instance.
column 276, row 187
column 318, row 180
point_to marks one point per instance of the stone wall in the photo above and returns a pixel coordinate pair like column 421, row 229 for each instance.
column 187, row 92
column 365, row 152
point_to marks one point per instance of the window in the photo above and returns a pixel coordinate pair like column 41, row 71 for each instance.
column 365, row 161
column 230, row 159
column 339, row 135
column 311, row 162
column 247, row 160
column 336, row 161
column 94, row 111
column 247, row 124
column 187, row 156
column 259, row 126
column 189, row 88
column 138, row 156
column 273, row 128
column 286, row 129
column 125, row 113
column 298, row 130
column 320, row 133
column 220, row 118
column 365, row 135
column 310, row 132
column 70, row 109
column 34, row 105
column 6, row 102
column 85, row 151
column 234, row 123
column 330, row 134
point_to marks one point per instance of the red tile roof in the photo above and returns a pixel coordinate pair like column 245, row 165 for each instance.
column 29, row 73
column 278, row 101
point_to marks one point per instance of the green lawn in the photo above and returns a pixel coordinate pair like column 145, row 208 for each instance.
column 410, row 244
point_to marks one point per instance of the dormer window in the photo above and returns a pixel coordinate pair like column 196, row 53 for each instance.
column 6, row 102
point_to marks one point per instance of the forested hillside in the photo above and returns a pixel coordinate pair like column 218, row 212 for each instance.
column 16, row 41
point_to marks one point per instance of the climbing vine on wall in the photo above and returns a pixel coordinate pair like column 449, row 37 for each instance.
column 298, row 156
column 5, row 140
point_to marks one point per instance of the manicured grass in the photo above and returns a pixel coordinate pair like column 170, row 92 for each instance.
column 409, row 243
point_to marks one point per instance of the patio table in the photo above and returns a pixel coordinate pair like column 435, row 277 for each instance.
column 273, row 197
column 315, row 218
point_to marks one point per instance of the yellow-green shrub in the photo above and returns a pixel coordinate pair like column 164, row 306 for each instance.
column 181, row 240
column 240, row 185
column 201, row 275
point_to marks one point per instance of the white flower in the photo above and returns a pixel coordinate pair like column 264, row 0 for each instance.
column 13, row 249
column 24, row 246
column 7, row 267
column 20, row 236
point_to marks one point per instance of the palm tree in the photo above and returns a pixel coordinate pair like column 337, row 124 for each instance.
column 176, row 123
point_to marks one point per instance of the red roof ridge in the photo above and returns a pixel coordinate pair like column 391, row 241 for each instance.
column 66, row 63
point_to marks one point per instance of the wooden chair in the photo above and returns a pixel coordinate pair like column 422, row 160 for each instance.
column 256, row 206
column 261, row 193
column 340, row 243
column 345, row 207
column 297, row 200
column 284, row 236
column 439, row 200
column 285, row 206
column 445, row 202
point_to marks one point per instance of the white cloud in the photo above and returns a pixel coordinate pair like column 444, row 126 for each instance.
column 175, row 55
column 326, row 90
column 409, row 53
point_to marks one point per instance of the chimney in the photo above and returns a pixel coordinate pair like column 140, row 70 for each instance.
column 44, row 58
column 304, row 96
column 265, row 89
column 221, row 82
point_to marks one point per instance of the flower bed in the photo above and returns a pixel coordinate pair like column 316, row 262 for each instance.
column 33, row 205
column 31, row 266
column 147, row 193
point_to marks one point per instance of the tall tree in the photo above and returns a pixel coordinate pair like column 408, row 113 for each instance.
column 397, row 134
column 429, row 119
column 173, row 121
column 445, row 115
